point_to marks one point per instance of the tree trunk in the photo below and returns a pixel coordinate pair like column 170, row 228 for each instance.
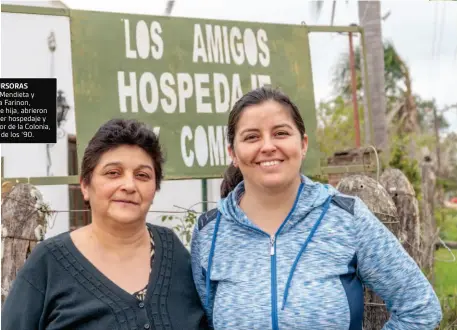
column 382, row 206
column 404, row 197
column 370, row 21
column 23, row 226
column 428, row 224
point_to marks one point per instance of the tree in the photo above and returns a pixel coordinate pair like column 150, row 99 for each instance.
column 370, row 19
column 400, row 105
column 335, row 131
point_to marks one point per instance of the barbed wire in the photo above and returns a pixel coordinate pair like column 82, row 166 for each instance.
column 53, row 213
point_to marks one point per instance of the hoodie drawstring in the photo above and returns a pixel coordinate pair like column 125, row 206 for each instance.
column 311, row 234
column 210, row 259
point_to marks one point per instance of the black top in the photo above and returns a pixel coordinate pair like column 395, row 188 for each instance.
column 58, row 288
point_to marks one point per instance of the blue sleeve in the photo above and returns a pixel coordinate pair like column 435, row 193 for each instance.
column 199, row 274
column 387, row 269
column 23, row 306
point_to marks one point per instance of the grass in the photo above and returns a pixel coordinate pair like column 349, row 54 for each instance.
column 446, row 286
column 446, row 272
column 446, row 219
column 446, row 269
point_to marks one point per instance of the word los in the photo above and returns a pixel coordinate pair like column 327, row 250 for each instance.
column 148, row 40
column 172, row 91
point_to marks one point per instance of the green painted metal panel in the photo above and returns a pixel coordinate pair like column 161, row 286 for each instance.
column 35, row 10
column 186, row 98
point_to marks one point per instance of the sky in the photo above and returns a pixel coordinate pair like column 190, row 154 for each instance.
column 423, row 32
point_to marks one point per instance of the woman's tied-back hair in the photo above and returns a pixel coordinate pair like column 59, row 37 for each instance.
column 232, row 175
column 117, row 132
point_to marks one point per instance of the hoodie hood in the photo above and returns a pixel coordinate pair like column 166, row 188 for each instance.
column 310, row 195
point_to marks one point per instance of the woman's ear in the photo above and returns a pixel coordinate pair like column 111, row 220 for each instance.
column 233, row 156
column 84, row 189
column 304, row 145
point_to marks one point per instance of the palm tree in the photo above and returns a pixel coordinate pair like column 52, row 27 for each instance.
column 400, row 102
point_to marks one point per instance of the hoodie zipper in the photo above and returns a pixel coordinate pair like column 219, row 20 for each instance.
column 272, row 246
column 274, row 298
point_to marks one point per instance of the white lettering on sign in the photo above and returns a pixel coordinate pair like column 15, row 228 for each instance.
column 170, row 101
column 187, row 157
column 148, row 40
column 259, row 81
column 127, row 90
column 214, row 93
column 221, row 93
column 185, row 90
column 148, row 91
column 236, row 46
column 216, row 44
column 216, row 145
column 208, row 145
column 201, row 146
column 201, row 91
column 263, row 80
column 264, row 56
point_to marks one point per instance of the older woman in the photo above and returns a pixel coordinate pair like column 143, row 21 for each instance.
column 118, row 272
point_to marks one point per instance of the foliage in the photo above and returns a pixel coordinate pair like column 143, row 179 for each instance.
column 394, row 73
column 448, row 170
column 319, row 178
column 425, row 109
column 401, row 161
column 447, row 184
column 336, row 130
column 446, row 220
column 184, row 227
column 406, row 111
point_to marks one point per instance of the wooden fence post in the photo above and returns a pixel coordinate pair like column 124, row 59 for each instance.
column 428, row 223
column 402, row 193
column 381, row 205
column 23, row 227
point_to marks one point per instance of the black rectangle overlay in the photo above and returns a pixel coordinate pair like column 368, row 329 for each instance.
column 28, row 110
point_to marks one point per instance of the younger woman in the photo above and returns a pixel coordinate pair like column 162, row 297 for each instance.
column 283, row 252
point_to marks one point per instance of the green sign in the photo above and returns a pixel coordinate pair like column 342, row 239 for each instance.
column 181, row 76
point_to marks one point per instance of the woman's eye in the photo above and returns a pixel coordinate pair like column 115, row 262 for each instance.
column 143, row 175
column 111, row 173
column 249, row 137
column 282, row 133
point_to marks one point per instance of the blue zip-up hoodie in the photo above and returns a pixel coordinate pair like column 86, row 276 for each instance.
column 311, row 273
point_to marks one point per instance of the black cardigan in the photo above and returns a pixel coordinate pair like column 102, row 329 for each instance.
column 58, row 288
